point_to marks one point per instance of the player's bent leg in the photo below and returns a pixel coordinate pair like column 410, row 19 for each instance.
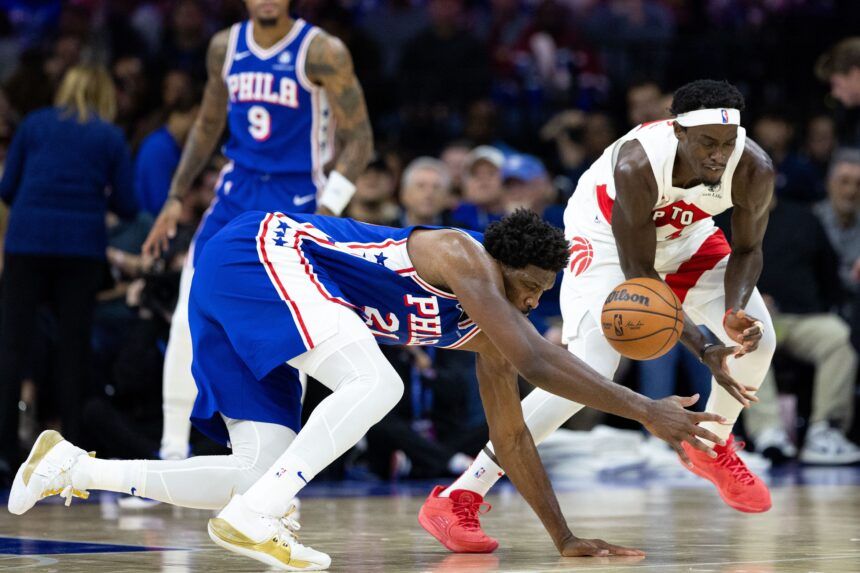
column 178, row 388
column 739, row 487
column 365, row 388
column 451, row 515
column 56, row 466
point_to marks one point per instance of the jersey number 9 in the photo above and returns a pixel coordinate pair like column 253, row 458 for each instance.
column 260, row 122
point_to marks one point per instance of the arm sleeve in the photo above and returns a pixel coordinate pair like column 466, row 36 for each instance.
column 14, row 166
column 122, row 200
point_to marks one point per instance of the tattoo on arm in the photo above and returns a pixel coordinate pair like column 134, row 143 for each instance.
column 330, row 65
column 207, row 128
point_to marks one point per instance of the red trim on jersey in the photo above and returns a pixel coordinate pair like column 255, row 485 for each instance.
column 604, row 201
column 278, row 284
column 711, row 252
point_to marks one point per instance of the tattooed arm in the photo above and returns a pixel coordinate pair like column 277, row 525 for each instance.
column 329, row 65
column 204, row 136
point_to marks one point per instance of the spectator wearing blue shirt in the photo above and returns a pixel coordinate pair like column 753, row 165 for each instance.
column 159, row 154
column 66, row 167
column 483, row 195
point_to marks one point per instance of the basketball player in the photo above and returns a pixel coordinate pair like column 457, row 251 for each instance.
column 644, row 209
column 320, row 293
column 281, row 85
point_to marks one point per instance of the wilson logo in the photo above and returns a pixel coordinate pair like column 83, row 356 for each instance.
column 624, row 296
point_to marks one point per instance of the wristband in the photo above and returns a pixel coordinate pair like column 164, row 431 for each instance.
column 337, row 193
column 705, row 349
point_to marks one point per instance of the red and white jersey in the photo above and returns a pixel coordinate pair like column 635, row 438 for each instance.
column 678, row 213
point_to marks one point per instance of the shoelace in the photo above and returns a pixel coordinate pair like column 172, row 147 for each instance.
column 288, row 528
column 729, row 459
column 67, row 492
column 467, row 513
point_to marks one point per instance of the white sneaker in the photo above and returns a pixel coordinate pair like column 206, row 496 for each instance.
column 47, row 471
column 828, row 446
column 268, row 539
column 774, row 444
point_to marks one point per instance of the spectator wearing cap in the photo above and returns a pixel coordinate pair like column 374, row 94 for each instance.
column 527, row 185
column 374, row 201
column 425, row 194
column 483, row 195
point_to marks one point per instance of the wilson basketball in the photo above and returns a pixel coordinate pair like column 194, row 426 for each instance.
column 642, row 318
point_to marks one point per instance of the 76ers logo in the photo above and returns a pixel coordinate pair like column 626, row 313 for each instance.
column 581, row 255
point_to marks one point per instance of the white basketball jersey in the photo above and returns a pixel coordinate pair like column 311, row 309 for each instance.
column 678, row 213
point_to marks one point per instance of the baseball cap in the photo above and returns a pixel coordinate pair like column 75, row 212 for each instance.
column 523, row 167
column 484, row 153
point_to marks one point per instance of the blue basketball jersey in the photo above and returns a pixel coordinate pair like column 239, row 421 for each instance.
column 278, row 119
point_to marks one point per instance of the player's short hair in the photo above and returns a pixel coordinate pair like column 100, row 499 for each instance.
column 839, row 59
column 706, row 94
column 523, row 238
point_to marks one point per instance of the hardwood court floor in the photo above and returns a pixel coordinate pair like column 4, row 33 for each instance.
column 811, row 528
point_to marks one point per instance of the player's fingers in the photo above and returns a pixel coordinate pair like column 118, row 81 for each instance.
column 698, row 417
column 741, row 313
column 708, row 435
column 687, row 401
column 685, row 459
column 619, row 550
column 701, row 446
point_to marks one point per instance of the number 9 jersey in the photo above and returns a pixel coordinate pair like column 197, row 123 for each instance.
column 279, row 121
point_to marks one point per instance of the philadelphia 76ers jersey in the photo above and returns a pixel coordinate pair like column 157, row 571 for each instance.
column 274, row 282
column 279, row 120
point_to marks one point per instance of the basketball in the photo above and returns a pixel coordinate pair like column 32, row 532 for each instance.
column 642, row 318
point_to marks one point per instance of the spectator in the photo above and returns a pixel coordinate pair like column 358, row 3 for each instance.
column 800, row 283
column 483, row 196
column 646, row 102
column 840, row 67
column 795, row 176
column 819, row 146
column 454, row 156
column 186, row 39
column 425, row 193
column 839, row 214
column 374, row 200
column 160, row 151
column 59, row 165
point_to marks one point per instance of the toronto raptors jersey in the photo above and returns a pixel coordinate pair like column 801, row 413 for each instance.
column 678, row 213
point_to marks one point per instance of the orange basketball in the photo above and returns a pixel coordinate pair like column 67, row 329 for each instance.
column 642, row 318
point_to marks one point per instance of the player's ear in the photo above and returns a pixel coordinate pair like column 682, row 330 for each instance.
column 680, row 131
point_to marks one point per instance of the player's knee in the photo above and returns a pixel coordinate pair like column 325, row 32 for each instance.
column 389, row 388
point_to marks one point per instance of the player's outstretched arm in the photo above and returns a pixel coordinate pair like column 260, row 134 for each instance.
column 518, row 455
column 329, row 65
column 636, row 238
column 201, row 142
column 752, row 193
column 478, row 283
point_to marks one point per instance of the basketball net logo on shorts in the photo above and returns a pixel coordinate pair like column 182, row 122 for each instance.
column 581, row 255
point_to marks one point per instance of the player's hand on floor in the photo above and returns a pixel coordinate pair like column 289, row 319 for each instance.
column 576, row 547
column 669, row 420
column 164, row 229
column 743, row 329
column 715, row 359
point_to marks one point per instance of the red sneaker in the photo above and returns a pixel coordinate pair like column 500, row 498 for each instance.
column 736, row 484
column 454, row 521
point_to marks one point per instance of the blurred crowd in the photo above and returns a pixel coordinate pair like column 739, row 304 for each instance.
column 478, row 108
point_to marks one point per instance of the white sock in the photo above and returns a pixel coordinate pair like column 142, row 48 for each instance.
column 479, row 478
column 273, row 493
column 122, row 476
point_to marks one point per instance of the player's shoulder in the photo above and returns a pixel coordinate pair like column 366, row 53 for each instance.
column 755, row 162
column 632, row 158
column 327, row 55
column 220, row 41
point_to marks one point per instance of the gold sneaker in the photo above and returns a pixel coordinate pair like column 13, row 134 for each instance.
column 268, row 539
column 47, row 471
